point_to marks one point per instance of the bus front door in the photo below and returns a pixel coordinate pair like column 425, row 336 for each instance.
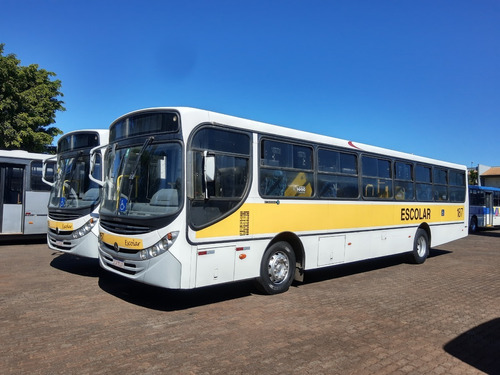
column 489, row 209
column 11, row 198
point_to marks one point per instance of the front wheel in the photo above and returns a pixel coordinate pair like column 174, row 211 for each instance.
column 277, row 268
column 421, row 247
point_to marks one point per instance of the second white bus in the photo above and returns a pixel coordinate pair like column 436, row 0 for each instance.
column 74, row 198
column 194, row 198
column 23, row 195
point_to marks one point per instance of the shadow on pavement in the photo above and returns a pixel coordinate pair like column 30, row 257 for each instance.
column 479, row 347
column 487, row 232
column 163, row 299
column 342, row 270
column 436, row 253
column 76, row 265
column 26, row 239
column 171, row 299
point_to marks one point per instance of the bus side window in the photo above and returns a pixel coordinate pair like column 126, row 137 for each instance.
column 286, row 169
column 337, row 174
column 36, row 176
column 423, row 186
column 377, row 178
column 403, row 181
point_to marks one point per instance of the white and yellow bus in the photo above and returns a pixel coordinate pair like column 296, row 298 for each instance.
column 74, row 198
column 194, row 198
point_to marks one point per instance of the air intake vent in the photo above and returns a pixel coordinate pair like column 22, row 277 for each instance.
column 124, row 228
column 62, row 216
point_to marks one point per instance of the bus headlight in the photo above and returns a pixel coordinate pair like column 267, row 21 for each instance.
column 160, row 247
column 86, row 228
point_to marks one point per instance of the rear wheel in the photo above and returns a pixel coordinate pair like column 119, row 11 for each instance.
column 421, row 247
column 277, row 268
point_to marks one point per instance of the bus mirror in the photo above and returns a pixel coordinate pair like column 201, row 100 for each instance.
column 208, row 170
column 94, row 153
column 44, row 171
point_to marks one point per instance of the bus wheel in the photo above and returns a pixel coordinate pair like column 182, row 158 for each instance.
column 277, row 268
column 421, row 247
column 473, row 225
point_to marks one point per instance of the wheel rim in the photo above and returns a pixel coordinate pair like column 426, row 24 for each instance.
column 278, row 267
column 421, row 246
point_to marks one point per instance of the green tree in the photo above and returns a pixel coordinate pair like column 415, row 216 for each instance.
column 28, row 105
column 472, row 177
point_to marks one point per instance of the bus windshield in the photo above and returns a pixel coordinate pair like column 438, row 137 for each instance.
column 72, row 187
column 143, row 180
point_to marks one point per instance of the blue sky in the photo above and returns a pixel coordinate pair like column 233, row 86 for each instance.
column 415, row 76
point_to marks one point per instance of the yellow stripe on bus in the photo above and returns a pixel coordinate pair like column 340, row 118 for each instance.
column 126, row 242
column 61, row 225
column 269, row 218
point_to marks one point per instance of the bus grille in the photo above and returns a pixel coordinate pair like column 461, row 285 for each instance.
column 61, row 232
column 123, row 228
column 122, row 250
column 63, row 216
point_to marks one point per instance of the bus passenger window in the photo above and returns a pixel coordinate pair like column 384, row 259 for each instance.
column 36, row 176
column 457, row 186
column 440, row 184
column 285, row 170
column 423, row 186
column 403, row 181
column 377, row 178
column 337, row 174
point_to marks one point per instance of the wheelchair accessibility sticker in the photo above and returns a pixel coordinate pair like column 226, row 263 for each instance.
column 122, row 204
column 62, row 202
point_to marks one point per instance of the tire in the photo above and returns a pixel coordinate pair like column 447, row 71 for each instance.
column 277, row 268
column 421, row 247
column 473, row 225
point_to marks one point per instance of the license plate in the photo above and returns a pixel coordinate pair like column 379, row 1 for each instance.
column 118, row 263
column 59, row 243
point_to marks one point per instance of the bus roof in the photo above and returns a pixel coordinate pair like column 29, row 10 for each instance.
column 21, row 154
column 198, row 116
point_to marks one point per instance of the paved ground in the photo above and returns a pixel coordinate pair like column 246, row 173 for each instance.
column 60, row 314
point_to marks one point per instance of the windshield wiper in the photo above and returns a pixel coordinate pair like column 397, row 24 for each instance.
column 74, row 167
column 147, row 142
column 135, row 167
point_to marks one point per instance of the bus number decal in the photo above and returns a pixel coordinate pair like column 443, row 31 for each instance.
column 460, row 212
column 244, row 223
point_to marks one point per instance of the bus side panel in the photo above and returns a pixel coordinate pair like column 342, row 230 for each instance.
column 496, row 216
column 392, row 241
column 35, row 219
column 12, row 218
column 441, row 234
column 214, row 265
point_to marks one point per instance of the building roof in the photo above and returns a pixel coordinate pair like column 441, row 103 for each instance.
column 494, row 171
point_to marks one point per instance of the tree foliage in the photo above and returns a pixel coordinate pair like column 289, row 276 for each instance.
column 28, row 105
column 472, row 177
